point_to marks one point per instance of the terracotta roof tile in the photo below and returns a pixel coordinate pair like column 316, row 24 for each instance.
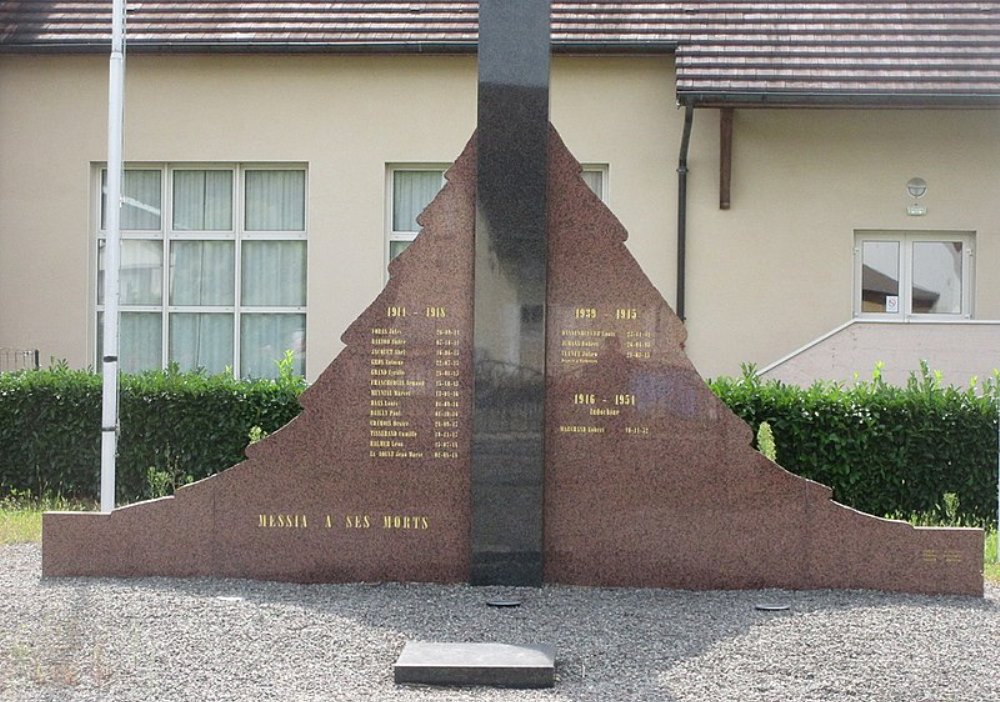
column 726, row 51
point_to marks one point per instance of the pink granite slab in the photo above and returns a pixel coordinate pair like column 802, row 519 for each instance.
column 650, row 480
column 369, row 483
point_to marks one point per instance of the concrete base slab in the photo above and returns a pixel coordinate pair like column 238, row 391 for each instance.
column 497, row 664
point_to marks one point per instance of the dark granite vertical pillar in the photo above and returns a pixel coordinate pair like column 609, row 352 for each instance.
column 510, row 281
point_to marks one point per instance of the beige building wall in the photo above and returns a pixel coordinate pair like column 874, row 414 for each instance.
column 777, row 270
column 764, row 278
column 346, row 117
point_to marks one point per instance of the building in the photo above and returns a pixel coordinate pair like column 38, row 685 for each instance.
column 841, row 172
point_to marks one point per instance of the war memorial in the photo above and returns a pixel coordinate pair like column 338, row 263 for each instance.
column 515, row 407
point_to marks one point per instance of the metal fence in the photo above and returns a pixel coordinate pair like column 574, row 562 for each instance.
column 18, row 359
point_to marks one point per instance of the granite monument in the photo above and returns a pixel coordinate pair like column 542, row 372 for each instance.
column 649, row 479
column 515, row 407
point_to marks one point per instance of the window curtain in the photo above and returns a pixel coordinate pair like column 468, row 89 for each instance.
column 140, row 277
column 202, row 273
column 397, row 247
column 201, row 340
column 275, row 200
column 594, row 181
column 274, row 273
column 140, row 340
column 412, row 191
column 140, row 200
column 264, row 338
column 203, row 200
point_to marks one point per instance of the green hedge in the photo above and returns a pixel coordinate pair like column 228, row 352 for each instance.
column 184, row 425
column 883, row 449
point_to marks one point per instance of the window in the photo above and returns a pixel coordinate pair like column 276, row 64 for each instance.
column 596, row 178
column 411, row 189
column 920, row 275
column 212, row 267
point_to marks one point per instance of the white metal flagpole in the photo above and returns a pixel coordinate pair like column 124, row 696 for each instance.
column 112, row 246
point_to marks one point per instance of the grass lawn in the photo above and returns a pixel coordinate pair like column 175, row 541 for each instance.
column 20, row 526
column 21, row 518
column 21, row 522
column 991, row 567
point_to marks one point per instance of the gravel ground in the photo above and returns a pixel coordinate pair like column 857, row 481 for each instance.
column 158, row 639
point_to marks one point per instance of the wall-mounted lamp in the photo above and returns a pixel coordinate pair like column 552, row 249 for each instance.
column 917, row 188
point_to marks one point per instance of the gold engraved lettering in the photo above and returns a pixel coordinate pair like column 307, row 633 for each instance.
column 581, row 342
column 357, row 521
column 934, row 556
column 626, row 313
column 395, row 521
column 578, row 356
column 580, row 429
column 283, row 521
column 587, row 332
column 583, row 398
column 437, row 312
column 625, row 400
column 395, row 311
column 585, row 313
column 329, row 522
column 637, row 431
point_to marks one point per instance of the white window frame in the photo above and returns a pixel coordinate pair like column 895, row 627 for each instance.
column 906, row 239
column 393, row 235
column 166, row 234
column 391, row 169
column 603, row 169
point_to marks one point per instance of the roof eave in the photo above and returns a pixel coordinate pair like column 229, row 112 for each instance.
column 297, row 47
column 836, row 99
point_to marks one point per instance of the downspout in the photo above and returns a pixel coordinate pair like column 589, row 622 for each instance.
column 682, row 172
